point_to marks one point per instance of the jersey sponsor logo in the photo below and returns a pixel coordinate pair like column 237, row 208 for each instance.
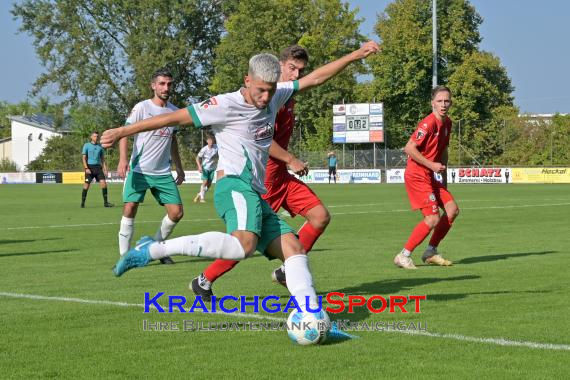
column 262, row 132
column 210, row 103
column 164, row 132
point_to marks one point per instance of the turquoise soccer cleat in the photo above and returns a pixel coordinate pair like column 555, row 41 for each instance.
column 335, row 335
column 137, row 257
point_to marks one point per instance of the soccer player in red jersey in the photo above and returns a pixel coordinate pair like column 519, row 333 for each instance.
column 426, row 182
column 283, row 189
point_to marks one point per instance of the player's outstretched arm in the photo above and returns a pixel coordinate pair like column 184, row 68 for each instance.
column 180, row 117
column 324, row 73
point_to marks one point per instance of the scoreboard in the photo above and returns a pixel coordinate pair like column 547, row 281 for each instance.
column 358, row 123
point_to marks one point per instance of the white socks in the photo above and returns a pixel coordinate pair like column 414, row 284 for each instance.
column 126, row 234
column 215, row 245
column 203, row 190
column 165, row 229
column 300, row 281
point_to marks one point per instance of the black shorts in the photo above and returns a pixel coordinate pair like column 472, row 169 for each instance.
column 332, row 170
column 96, row 173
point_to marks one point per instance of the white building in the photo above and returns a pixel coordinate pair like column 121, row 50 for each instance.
column 6, row 149
column 29, row 137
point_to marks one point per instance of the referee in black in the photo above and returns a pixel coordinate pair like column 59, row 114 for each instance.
column 95, row 168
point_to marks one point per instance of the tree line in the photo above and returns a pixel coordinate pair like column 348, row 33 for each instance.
column 99, row 56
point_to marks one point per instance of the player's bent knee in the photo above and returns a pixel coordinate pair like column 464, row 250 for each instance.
column 319, row 217
column 176, row 216
column 432, row 221
column 248, row 247
column 453, row 214
column 291, row 246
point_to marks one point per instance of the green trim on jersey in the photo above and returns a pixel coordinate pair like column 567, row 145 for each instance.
column 246, row 175
column 135, row 160
column 194, row 116
column 296, row 85
column 295, row 90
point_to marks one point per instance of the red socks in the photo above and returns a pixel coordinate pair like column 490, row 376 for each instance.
column 308, row 235
column 440, row 230
column 420, row 232
column 218, row 268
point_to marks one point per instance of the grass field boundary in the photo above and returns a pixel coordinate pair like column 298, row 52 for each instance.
column 458, row 337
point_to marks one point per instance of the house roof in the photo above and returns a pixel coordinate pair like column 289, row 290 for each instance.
column 41, row 121
column 8, row 139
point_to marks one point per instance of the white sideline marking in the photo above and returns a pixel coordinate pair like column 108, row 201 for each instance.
column 124, row 304
column 105, row 224
column 495, row 341
column 336, row 213
column 464, row 338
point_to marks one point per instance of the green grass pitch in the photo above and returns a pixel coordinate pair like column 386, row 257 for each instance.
column 500, row 312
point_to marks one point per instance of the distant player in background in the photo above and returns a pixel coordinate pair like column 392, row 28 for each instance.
column 150, row 163
column 331, row 158
column 426, row 182
column 283, row 189
column 207, row 161
column 93, row 158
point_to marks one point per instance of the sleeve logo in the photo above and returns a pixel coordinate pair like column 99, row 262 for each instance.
column 210, row 103
column 420, row 134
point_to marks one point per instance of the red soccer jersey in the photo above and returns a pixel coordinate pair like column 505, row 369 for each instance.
column 284, row 124
column 432, row 137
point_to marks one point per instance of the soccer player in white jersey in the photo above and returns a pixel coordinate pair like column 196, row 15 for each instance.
column 207, row 161
column 243, row 123
column 149, row 167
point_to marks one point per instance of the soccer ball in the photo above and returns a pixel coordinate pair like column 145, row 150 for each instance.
column 307, row 328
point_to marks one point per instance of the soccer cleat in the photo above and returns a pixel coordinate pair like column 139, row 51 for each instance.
column 202, row 201
column 197, row 198
column 82, row 205
column 108, row 204
column 166, row 260
column 206, row 294
column 137, row 257
column 404, row 261
column 278, row 276
column 335, row 335
column 435, row 259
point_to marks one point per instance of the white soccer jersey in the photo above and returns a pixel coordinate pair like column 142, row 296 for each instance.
column 243, row 132
column 209, row 157
column 151, row 150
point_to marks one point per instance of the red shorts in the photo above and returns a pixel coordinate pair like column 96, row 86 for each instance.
column 426, row 194
column 292, row 194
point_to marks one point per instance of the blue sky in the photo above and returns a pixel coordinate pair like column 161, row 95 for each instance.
column 529, row 37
